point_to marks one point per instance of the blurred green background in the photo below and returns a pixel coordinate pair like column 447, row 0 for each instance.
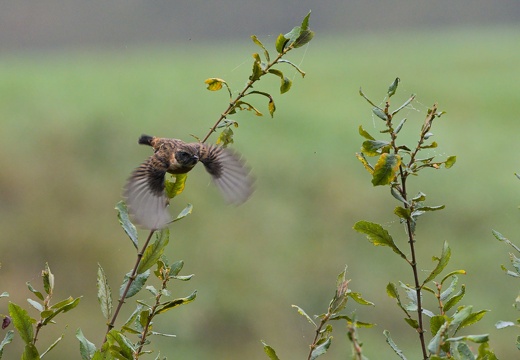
column 75, row 96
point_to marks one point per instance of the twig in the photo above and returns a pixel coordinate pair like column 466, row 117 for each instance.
column 127, row 288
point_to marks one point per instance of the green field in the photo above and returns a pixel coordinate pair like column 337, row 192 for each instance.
column 68, row 140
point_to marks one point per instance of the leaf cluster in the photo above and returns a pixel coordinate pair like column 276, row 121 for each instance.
column 264, row 64
column 323, row 329
column 29, row 327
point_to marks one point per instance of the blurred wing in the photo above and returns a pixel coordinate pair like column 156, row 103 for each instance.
column 228, row 172
column 145, row 198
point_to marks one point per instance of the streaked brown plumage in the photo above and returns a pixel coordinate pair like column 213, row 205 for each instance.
column 144, row 191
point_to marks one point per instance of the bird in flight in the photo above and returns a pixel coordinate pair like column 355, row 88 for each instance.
column 144, row 191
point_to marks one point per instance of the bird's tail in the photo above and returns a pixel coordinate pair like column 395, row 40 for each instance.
column 145, row 140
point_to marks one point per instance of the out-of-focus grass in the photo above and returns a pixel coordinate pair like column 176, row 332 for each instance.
column 69, row 125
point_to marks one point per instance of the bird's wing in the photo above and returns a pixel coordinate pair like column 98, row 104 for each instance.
column 228, row 172
column 145, row 198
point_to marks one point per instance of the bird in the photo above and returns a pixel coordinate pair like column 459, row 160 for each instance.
column 144, row 191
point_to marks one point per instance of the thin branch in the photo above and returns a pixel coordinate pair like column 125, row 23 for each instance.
column 248, row 86
column 127, row 288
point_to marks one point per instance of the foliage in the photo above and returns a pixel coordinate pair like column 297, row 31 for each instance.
column 27, row 327
column 129, row 341
column 323, row 333
column 395, row 162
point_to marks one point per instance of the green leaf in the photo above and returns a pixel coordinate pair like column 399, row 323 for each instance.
column 7, row 340
column 365, row 133
column 305, row 37
column 270, row 352
column 474, row 338
column 30, row 353
column 271, row 107
column 137, row 284
column 302, row 73
column 436, row 322
column 450, row 161
column 402, row 213
column 501, row 237
column 473, row 318
column 22, row 322
column 36, row 305
column 412, row 322
column 48, row 279
column 393, row 345
column 455, row 299
column 386, row 169
column 503, row 324
column 380, row 113
column 377, row 235
column 304, row 314
column 396, row 194
column 393, row 87
column 215, row 84
column 361, row 157
column 185, row 212
column 154, row 251
column 177, row 302
column 321, row 349
column 371, row 147
column 257, row 69
column 120, row 346
column 34, row 291
column 104, row 293
column 399, row 126
column 285, row 85
column 259, row 43
column 359, row 299
column 391, row 290
column 52, row 346
column 126, row 224
column 175, row 185
column 63, row 306
column 86, row 348
column 226, row 137
column 441, row 263
column 405, row 104
column 281, row 41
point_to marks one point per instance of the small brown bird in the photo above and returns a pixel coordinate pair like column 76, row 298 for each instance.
column 144, row 191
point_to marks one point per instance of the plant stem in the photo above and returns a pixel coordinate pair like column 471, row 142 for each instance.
column 248, row 86
column 128, row 284
column 318, row 331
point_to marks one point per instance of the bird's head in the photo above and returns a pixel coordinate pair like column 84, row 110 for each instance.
column 186, row 158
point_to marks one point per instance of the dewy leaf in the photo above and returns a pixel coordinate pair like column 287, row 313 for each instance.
column 304, row 314
column 377, row 235
column 126, row 224
column 176, row 185
column 270, row 352
column 154, row 251
column 441, row 263
column 321, row 349
column 385, row 169
column 22, row 322
column 104, row 293
column 86, row 348
column 393, row 345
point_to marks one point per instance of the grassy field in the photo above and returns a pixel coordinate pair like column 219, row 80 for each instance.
column 68, row 139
